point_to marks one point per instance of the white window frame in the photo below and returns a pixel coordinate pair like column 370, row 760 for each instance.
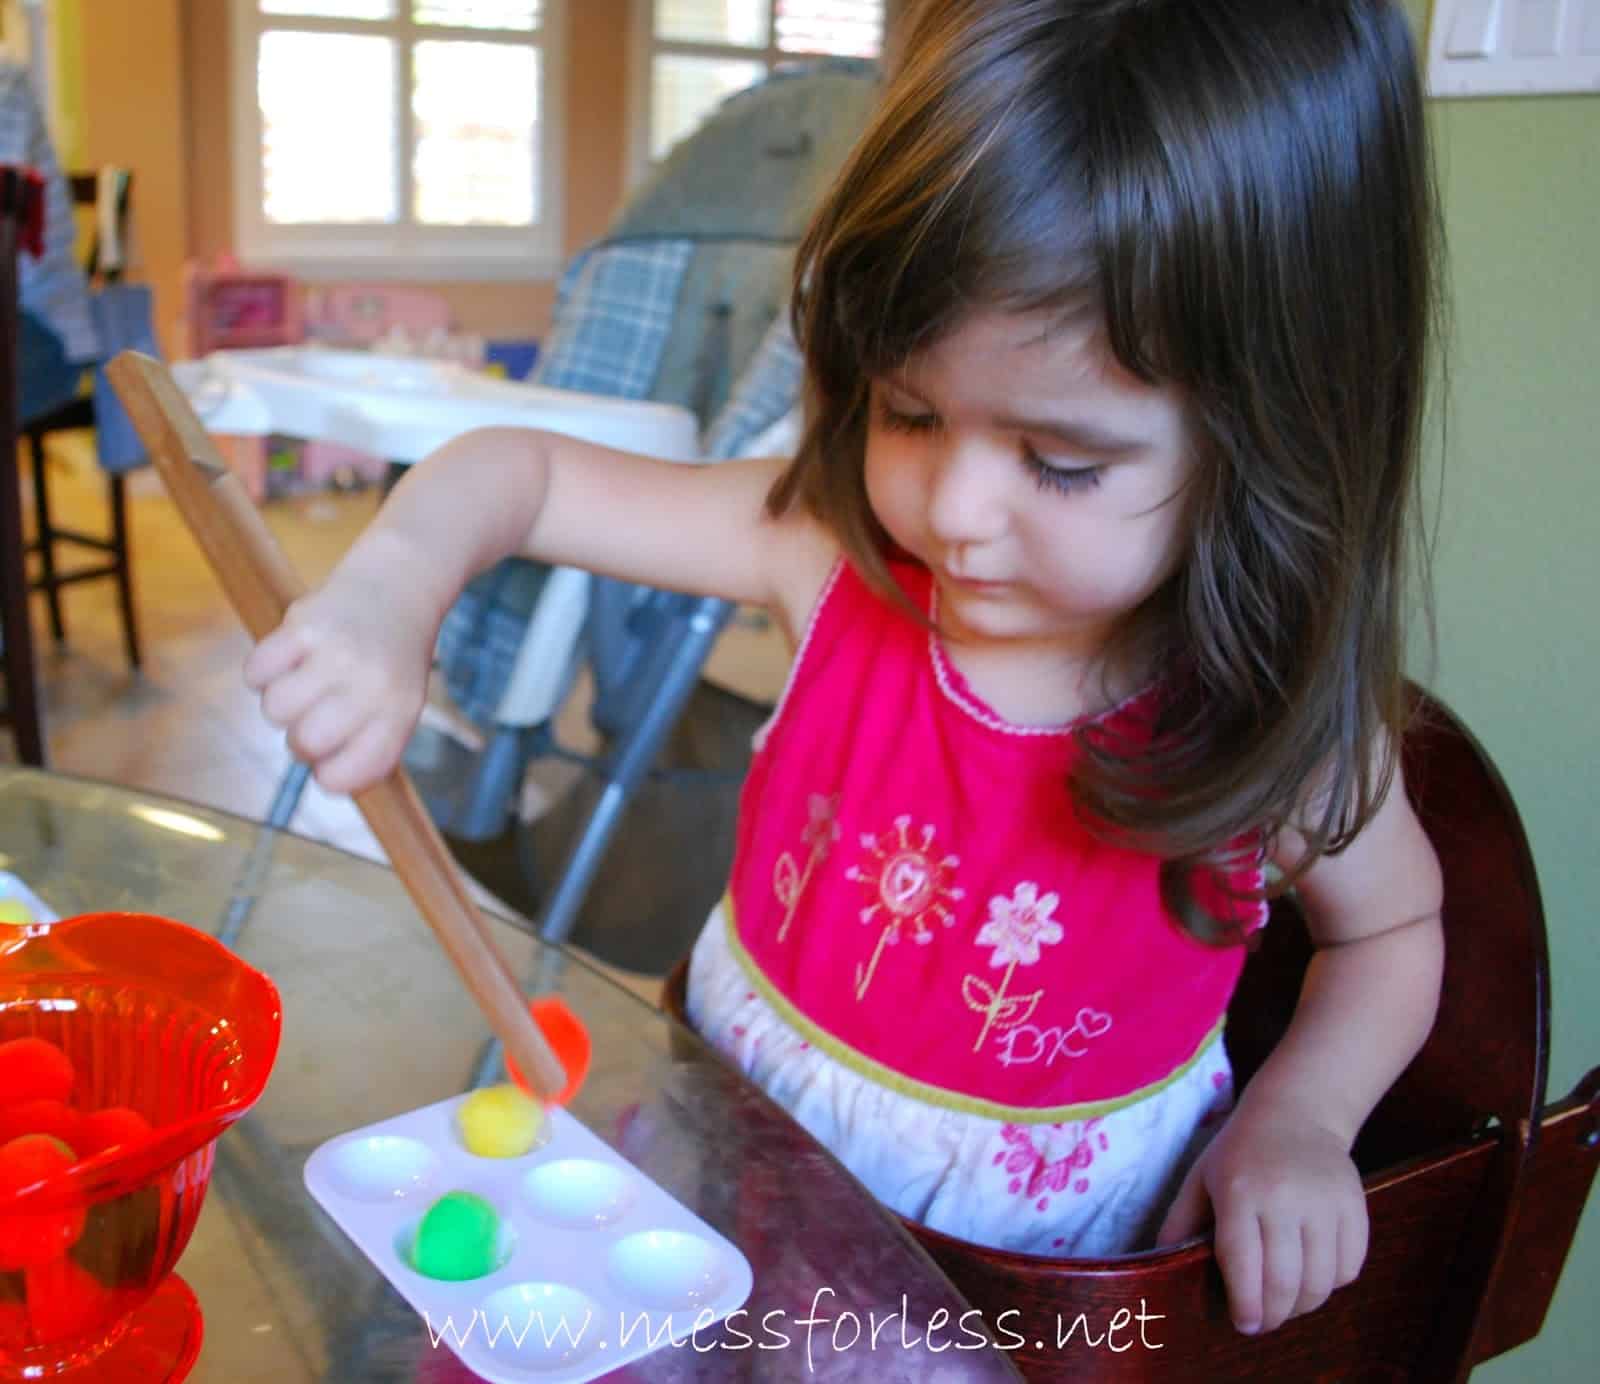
column 405, row 249
column 646, row 47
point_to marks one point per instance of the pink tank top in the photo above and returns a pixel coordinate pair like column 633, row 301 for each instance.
column 913, row 892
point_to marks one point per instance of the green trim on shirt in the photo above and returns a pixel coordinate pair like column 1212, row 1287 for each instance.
column 876, row 1072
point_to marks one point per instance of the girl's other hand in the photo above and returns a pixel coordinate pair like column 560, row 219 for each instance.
column 346, row 672
column 1289, row 1211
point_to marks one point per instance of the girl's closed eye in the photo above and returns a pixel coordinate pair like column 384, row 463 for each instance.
column 904, row 419
column 1050, row 475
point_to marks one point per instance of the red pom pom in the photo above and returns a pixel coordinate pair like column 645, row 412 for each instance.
column 32, row 1069
column 41, row 1117
column 30, row 1239
column 65, row 1301
column 108, row 1128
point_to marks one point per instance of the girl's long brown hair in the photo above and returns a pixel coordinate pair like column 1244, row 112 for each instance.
column 1240, row 192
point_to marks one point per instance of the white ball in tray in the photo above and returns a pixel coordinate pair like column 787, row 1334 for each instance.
column 597, row 1264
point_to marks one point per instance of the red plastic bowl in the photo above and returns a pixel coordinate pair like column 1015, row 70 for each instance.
column 164, row 1020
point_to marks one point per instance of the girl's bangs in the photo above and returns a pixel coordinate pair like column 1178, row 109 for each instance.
column 974, row 233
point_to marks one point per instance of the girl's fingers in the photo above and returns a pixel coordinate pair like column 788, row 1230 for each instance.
column 365, row 758
column 1354, row 1228
column 279, row 653
column 327, row 726
column 1319, row 1256
column 292, row 695
column 1282, row 1267
column 1187, row 1214
column 1239, row 1253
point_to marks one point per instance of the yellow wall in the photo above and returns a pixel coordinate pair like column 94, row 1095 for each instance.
column 66, row 115
column 134, row 115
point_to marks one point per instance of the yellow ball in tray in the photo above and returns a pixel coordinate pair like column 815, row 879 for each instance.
column 500, row 1122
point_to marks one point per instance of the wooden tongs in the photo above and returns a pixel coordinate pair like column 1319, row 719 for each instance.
column 261, row 585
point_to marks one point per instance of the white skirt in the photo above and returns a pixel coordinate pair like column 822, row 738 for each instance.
column 1081, row 1188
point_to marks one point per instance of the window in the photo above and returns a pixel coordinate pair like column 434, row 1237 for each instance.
column 702, row 51
column 412, row 138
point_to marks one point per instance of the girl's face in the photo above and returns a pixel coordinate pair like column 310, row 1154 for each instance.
column 1039, row 482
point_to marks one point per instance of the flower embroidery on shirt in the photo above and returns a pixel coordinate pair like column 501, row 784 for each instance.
column 908, row 882
column 788, row 879
column 1017, row 928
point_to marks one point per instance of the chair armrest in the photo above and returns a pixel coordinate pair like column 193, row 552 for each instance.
column 1559, row 1176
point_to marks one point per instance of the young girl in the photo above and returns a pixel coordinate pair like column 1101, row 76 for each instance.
column 1116, row 330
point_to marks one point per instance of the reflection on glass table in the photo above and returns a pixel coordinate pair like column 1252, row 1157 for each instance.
column 376, row 1023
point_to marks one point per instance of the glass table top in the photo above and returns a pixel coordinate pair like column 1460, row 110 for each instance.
column 376, row 1023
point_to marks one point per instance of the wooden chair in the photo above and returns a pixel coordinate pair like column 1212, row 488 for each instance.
column 19, row 199
column 1474, row 1185
column 79, row 412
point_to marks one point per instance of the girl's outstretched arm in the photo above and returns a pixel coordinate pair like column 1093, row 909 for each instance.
column 346, row 672
column 1286, row 1199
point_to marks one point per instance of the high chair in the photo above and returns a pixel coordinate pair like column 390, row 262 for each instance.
column 1474, row 1185
column 676, row 317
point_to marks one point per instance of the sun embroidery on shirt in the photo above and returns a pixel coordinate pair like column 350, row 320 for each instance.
column 1017, row 928
column 788, row 879
column 907, row 880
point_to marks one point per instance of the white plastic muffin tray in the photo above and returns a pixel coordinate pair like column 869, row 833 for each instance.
column 598, row 1265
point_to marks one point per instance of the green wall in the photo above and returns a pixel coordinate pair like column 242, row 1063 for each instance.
column 1518, row 563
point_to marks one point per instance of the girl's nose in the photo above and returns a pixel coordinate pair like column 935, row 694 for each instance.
column 966, row 501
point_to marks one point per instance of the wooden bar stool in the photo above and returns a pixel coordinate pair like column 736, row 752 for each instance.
column 21, row 202
column 80, row 412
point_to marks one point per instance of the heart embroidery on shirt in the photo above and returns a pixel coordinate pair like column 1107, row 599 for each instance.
column 1092, row 1023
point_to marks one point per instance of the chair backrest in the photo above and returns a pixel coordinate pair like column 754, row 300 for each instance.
column 1485, row 1064
column 109, row 193
column 1486, row 1058
column 675, row 300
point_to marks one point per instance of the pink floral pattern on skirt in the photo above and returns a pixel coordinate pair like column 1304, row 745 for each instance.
column 1091, row 1187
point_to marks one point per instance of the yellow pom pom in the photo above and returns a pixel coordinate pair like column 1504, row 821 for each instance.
column 15, row 911
column 499, row 1122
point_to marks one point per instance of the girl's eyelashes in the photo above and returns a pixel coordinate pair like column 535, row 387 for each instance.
column 1046, row 475
column 1063, row 479
column 897, row 420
